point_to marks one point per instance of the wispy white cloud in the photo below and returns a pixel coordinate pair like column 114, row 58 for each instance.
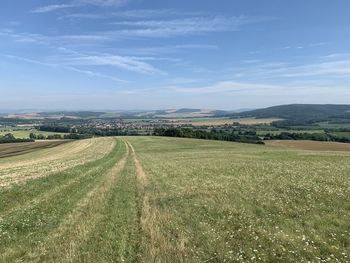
column 227, row 87
column 185, row 26
column 51, row 8
column 104, row 3
column 24, row 37
column 332, row 67
column 318, row 44
column 171, row 49
column 243, row 93
column 135, row 14
column 304, row 46
column 130, row 63
column 172, row 27
column 95, row 74
column 65, row 67
column 78, row 3
column 155, row 13
column 134, row 64
column 84, row 16
column 329, row 68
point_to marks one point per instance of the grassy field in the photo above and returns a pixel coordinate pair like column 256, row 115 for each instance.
column 311, row 145
column 277, row 132
column 153, row 199
column 328, row 125
column 22, row 134
column 342, row 134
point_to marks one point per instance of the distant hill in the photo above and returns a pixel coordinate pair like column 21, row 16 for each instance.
column 73, row 114
column 185, row 110
column 168, row 113
column 183, row 113
column 300, row 112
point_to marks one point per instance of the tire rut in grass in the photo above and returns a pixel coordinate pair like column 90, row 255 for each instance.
column 63, row 244
column 49, row 192
column 149, row 233
column 117, row 235
column 36, row 191
column 154, row 245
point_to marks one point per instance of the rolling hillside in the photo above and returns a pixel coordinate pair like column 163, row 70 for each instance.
column 300, row 112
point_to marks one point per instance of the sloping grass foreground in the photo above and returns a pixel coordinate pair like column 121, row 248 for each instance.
column 227, row 202
column 155, row 199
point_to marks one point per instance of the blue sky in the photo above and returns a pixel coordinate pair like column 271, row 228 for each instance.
column 156, row 54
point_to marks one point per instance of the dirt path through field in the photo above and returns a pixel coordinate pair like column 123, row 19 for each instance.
column 146, row 214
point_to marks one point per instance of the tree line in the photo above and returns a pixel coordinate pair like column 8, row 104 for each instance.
column 103, row 132
column 9, row 138
column 245, row 137
column 70, row 136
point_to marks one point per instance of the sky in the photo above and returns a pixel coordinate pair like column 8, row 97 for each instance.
column 163, row 54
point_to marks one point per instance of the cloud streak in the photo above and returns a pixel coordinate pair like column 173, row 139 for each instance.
column 73, row 58
column 328, row 68
column 133, row 64
column 185, row 26
column 69, row 68
column 103, row 3
column 136, row 14
column 79, row 3
column 52, row 8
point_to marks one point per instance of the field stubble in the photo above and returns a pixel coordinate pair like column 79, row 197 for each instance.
column 21, row 168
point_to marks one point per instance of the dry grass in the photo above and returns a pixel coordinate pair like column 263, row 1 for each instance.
column 310, row 145
column 13, row 149
column 50, row 218
column 252, row 121
column 63, row 244
column 18, row 169
column 155, row 246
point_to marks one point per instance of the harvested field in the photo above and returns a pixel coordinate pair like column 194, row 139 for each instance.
column 17, row 169
column 310, row 145
column 13, row 149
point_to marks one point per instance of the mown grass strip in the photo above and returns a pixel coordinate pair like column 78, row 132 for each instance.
column 25, row 229
column 116, row 238
column 63, row 243
column 18, row 196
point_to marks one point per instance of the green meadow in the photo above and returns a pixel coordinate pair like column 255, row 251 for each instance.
column 158, row 199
